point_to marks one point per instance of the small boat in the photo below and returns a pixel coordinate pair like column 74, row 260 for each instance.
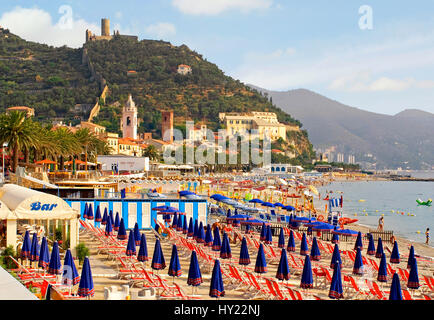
column 427, row 203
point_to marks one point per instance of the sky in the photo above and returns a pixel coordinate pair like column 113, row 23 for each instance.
column 377, row 56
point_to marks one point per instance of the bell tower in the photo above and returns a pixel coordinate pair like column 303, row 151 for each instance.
column 129, row 121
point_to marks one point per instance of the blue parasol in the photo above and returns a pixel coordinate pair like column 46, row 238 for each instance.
column 267, row 204
column 185, row 226
column 306, row 277
column 55, row 267
column 175, row 221
column 104, row 217
column 346, row 232
column 263, row 234
column 26, row 247
column 86, row 288
column 158, row 262
column 269, row 236
column 208, row 236
column 217, row 243
column 281, row 242
column 358, row 263
column 70, row 275
column 247, row 228
column 304, row 248
column 90, row 212
column 289, row 208
column 359, row 243
column 216, row 289
column 200, row 238
column 336, row 291
column 413, row 277
column 190, row 231
column 254, row 222
column 174, row 265
column 382, row 269
column 44, row 254
column 86, row 208
column 283, row 268
column 34, row 249
column 411, row 257
column 244, row 253
column 98, row 217
column 394, row 257
column 315, row 253
column 261, row 263
column 225, row 251
column 137, row 235
column 291, row 242
column 117, row 222
column 194, row 274
column 256, row 201
column 335, row 237
column 108, row 228
column 143, row 249
column 179, row 224
column 278, row 204
column 239, row 217
column 110, row 216
column 371, row 245
column 131, row 246
column 336, row 257
column 122, row 233
column 196, row 229
column 395, row 288
column 380, row 251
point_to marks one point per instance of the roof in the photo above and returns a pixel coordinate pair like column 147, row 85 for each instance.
column 126, row 141
column 184, row 66
column 12, row 289
column 20, row 108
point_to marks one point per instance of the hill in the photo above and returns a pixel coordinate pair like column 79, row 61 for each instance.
column 403, row 140
column 55, row 80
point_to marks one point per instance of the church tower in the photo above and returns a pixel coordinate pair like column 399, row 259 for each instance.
column 129, row 121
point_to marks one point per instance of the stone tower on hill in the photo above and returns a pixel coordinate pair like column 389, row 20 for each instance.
column 105, row 33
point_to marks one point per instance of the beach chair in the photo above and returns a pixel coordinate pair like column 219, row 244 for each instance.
column 374, row 264
column 261, row 216
column 281, row 294
column 352, row 290
column 381, row 295
column 272, row 291
column 406, row 295
column 260, row 291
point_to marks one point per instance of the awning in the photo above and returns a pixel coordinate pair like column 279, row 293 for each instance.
column 30, row 204
column 5, row 213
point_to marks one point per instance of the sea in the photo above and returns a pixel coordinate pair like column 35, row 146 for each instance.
column 367, row 201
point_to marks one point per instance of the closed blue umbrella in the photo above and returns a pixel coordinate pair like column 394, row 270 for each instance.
column 382, row 269
column 307, row 277
column 236, row 223
column 86, row 208
column 411, row 257
column 196, row 229
column 336, row 290
column 179, row 224
column 185, row 226
column 247, row 228
column 90, row 212
column 70, row 275
column 263, row 234
column 269, row 236
column 122, row 233
column 413, row 277
column 335, row 238
column 86, row 288
column 44, row 254
column 190, row 232
column 26, row 247
column 174, row 265
column 225, row 252
column 131, row 245
column 217, row 244
column 175, row 220
column 228, row 215
column 315, row 253
column 283, row 268
column 358, row 263
column 359, row 243
column 158, row 262
column 194, row 275
column 34, row 249
column 394, row 257
column 98, row 217
column 244, row 253
column 371, row 245
column 143, row 249
column 108, row 228
column 208, row 236
column 291, row 242
column 117, row 222
column 200, row 238
column 336, row 257
column 261, row 263
column 137, row 235
column 216, row 289
column 55, row 267
column 104, row 217
column 281, row 243
column 112, row 220
column 380, row 251
column 395, row 288
column 346, row 232
column 304, row 248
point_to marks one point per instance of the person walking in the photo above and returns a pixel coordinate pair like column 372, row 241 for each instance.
column 427, row 236
column 381, row 224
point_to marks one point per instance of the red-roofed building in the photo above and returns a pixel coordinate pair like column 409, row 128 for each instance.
column 184, row 69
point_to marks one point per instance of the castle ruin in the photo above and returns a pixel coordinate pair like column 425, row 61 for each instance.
column 105, row 33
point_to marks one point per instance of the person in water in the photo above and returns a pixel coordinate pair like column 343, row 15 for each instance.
column 427, row 236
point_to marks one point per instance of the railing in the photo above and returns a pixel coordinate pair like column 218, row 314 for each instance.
column 385, row 235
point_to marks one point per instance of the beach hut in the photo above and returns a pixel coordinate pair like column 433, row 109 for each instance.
column 20, row 203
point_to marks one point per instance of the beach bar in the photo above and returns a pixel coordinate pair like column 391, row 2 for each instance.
column 23, row 205
column 140, row 210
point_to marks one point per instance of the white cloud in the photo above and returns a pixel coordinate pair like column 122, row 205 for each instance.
column 214, row 7
column 161, row 30
column 37, row 25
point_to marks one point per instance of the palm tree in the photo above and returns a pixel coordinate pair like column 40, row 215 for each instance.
column 67, row 144
column 151, row 152
column 19, row 132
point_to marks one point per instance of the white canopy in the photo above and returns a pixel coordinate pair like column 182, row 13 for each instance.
column 30, row 204
column 5, row 213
